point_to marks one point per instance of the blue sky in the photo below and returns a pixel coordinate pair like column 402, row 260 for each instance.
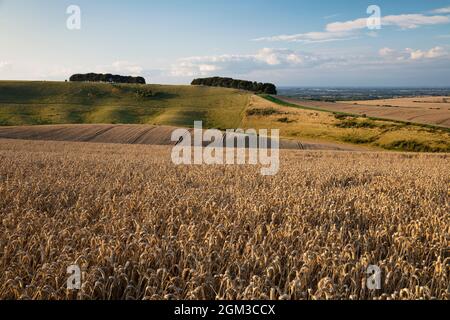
column 288, row 42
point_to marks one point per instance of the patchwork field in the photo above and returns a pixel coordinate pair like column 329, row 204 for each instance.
column 310, row 124
column 142, row 228
column 424, row 110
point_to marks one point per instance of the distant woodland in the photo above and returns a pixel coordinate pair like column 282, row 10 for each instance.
column 99, row 77
column 256, row 87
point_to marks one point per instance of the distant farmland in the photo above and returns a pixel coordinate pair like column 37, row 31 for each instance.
column 431, row 110
column 297, row 121
column 424, row 110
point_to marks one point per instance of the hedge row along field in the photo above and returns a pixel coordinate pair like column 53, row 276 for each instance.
column 141, row 228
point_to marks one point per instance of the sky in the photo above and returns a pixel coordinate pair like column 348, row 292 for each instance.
column 286, row 42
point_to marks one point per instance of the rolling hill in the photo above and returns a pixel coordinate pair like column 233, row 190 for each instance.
column 58, row 103
column 44, row 103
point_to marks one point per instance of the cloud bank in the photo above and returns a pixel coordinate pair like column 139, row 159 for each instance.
column 411, row 55
column 264, row 59
column 351, row 29
column 291, row 60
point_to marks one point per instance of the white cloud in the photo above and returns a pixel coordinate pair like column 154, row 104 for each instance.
column 121, row 67
column 350, row 29
column 409, row 54
column 127, row 67
column 339, row 27
column 310, row 37
column 442, row 10
column 386, row 52
column 207, row 68
column 264, row 59
column 412, row 21
column 436, row 52
column 204, row 65
column 5, row 64
column 276, row 57
column 404, row 21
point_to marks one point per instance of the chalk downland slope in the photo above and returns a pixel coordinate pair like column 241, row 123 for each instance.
column 46, row 103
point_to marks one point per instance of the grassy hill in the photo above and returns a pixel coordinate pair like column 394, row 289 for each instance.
column 32, row 103
column 38, row 103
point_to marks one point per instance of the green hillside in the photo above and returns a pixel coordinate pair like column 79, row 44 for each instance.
column 32, row 103
column 42, row 103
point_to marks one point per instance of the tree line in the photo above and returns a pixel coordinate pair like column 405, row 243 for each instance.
column 111, row 78
column 256, row 87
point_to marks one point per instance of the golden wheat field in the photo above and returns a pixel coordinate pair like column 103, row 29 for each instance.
column 141, row 228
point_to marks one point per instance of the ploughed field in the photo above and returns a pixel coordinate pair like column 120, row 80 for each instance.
column 142, row 228
column 137, row 134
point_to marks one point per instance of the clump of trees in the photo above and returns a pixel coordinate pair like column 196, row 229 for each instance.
column 111, row 78
column 256, row 87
